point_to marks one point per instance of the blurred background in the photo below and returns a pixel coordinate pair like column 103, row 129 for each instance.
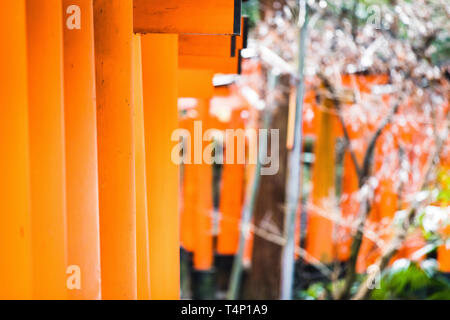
column 359, row 206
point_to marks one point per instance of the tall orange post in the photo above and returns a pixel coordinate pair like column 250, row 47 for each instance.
column 203, row 237
column 443, row 253
column 142, row 244
column 159, row 65
column 202, row 218
column 197, row 212
column 189, row 197
column 349, row 205
column 319, row 237
column 83, row 237
column 15, row 233
column 47, row 160
column 232, row 194
column 231, row 201
column 113, row 24
column 196, row 216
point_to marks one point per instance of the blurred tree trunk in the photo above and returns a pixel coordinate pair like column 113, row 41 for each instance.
column 263, row 281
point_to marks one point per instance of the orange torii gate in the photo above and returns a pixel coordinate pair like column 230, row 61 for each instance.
column 160, row 117
column 89, row 202
column 197, row 66
column 232, row 192
column 196, row 216
column 232, row 114
column 160, row 77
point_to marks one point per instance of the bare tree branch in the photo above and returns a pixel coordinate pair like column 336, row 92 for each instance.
column 392, row 248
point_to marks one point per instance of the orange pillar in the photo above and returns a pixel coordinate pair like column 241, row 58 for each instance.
column 319, row 237
column 189, row 199
column 196, row 217
column 113, row 22
column 45, row 88
column 83, row 237
column 159, row 65
column 203, row 228
column 15, row 233
column 142, row 244
column 443, row 254
column 349, row 206
column 250, row 168
column 232, row 194
column 197, row 213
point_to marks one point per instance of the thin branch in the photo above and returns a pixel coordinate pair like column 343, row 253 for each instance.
column 365, row 206
column 365, row 288
column 368, row 158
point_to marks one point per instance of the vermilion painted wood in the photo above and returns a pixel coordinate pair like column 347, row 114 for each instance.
column 189, row 195
column 192, row 59
column 142, row 240
column 208, row 45
column 217, row 64
column 232, row 194
column 221, row 91
column 187, row 16
column 196, row 216
column 83, row 234
column 47, row 151
column 15, row 229
column 195, row 83
column 203, row 228
column 319, row 242
column 160, row 83
column 113, row 24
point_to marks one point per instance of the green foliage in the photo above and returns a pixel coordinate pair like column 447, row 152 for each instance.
column 405, row 280
column 316, row 291
column 365, row 10
column 323, row 290
column 411, row 281
column 251, row 9
column 444, row 186
column 442, row 53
